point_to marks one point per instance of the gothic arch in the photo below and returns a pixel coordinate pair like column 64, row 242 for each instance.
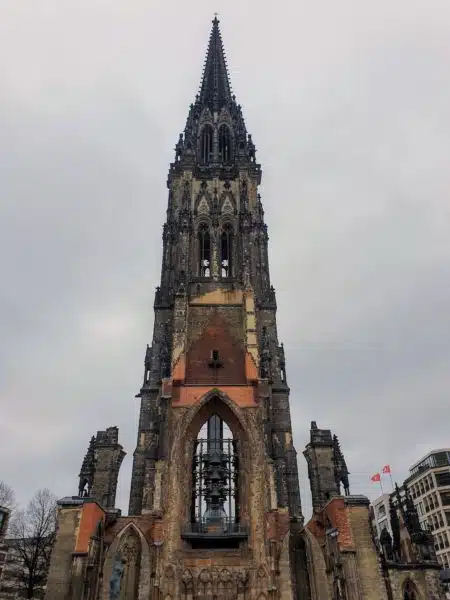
column 206, row 144
column 143, row 575
column 205, row 118
column 214, row 402
column 203, row 195
column 225, row 117
column 227, row 203
column 204, row 584
column 409, row 590
column 225, row 143
column 169, row 583
column 315, row 563
column 187, row 582
column 203, row 207
column 203, row 247
column 227, row 219
column 227, row 239
column 261, row 581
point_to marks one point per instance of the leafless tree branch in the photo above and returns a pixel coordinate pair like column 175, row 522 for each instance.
column 33, row 530
column 7, row 496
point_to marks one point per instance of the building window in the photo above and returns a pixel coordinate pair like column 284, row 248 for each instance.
column 445, row 498
column 206, row 144
column 225, row 144
column 382, row 511
column 441, row 459
column 204, row 255
column 443, row 478
column 226, row 240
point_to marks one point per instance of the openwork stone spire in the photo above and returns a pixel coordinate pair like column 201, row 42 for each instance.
column 86, row 476
column 215, row 87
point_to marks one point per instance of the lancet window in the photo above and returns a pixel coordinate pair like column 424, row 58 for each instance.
column 409, row 591
column 226, row 249
column 206, row 144
column 215, row 473
column 225, row 144
column 204, row 254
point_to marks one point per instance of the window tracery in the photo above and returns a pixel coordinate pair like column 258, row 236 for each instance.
column 409, row 591
column 226, row 249
column 225, row 144
column 204, row 254
column 206, row 144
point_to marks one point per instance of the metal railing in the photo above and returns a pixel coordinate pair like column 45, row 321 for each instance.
column 222, row 527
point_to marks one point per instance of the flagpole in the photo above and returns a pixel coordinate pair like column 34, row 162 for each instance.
column 386, row 470
column 381, row 486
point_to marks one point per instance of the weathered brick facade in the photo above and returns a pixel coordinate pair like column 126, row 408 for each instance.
column 214, row 504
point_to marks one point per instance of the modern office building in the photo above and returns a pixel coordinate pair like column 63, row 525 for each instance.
column 380, row 516
column 429, row 486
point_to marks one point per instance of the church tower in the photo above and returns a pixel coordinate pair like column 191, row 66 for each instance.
column 215, row 454
column 215, row 508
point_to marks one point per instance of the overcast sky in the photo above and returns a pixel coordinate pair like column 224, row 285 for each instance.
column 349, row 106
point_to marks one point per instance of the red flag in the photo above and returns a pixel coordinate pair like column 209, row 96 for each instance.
column 376, row 477
column 387, row 469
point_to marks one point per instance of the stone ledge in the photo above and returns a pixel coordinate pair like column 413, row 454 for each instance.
column 356, row 500
column 422, row 566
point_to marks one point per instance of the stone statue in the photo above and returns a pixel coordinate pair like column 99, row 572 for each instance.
column 116, row 578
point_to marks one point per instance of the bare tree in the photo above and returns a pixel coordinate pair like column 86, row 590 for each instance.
column 7, row 496
column 33, row 533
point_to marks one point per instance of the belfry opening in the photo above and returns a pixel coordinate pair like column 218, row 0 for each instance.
column 215, row 511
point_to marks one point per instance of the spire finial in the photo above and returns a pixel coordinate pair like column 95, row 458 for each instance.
column 215, row 89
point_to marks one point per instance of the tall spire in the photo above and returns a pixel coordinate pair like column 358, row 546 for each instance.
column 215, row 90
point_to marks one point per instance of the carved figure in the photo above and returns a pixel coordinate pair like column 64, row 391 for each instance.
column 115, row 583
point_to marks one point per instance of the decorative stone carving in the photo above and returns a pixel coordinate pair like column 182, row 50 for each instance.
column 115, row 583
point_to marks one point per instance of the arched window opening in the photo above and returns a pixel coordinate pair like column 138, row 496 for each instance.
column 206, row 144
column 226, row 250
column 215, row 472
column 204, row 244
column 124, row 581
column 300, row 571
column 225, row 144
column 410, row 592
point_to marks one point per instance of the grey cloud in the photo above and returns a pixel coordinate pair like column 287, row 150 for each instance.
column 348, row 106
